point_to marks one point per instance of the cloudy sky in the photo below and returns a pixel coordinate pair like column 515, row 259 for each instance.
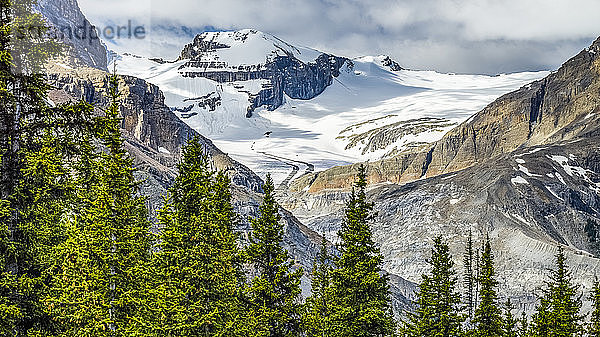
column 462, row 36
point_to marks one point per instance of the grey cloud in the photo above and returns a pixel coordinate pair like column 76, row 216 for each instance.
column 474, row 36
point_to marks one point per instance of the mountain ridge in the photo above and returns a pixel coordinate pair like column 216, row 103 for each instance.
column 483, row 136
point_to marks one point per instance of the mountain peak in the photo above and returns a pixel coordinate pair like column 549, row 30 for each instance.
column 382, row 60
column 595, row 45
column 243, row 47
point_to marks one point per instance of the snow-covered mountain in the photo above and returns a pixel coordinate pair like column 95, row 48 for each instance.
column 285, row 109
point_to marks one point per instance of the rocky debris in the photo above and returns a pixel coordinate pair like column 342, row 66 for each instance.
column 186, row 109
column 525, row 171
column 83, row 47
column 528, row 202
column 384, row 136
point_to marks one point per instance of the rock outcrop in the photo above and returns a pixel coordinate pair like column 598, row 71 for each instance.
column 70, row 27
column 147, row 122
column 552, row 109
column 287, row 74
column 524, row 171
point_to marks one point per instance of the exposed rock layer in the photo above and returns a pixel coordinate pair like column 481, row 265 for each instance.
column 552, row 109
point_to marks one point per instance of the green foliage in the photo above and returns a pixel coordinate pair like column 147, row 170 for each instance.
column 523, row 325
column 438, row 306
column 594, row 325
column 317, row 318
column 10, row 313
column 23, row 36
column 97, row 284
column 469, row 278
column 509, row 321
column 557, row 315
column 274, row 292
column 37, row 148
column 359, row 285
column 488, row 317
column 198, row 267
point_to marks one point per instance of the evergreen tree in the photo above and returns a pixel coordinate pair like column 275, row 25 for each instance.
column 477, row 273
column 97, row 287
column 359, row 285
column 558, row 311
column 523, row 325
column 469, row 279
column 438, row 306
column 198, row 267
column 594, row 325
column 274, row 292
column 10, row 314
column 317, row 319
column 36, row 148
column 488, row 317
column 509, row 321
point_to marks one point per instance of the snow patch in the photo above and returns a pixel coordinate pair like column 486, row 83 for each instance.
column 553, row 193
column 519, row 180
column 311, row 129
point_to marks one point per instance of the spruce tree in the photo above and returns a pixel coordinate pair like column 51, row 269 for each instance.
column 10, row 314
column 558, row 311
column 37, row 147
column 438, row 305
column 488, row 317
column 509, row 321
column 319, row 309
column 274, row 292
column 196, row 288
column 469, row 279
column 97, row 287
column 523, row 325
column 594, row 325
column 22, row 93
column 359, row 285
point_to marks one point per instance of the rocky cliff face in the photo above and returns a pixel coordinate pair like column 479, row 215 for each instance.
column 283, row 68
column 528, row 202
column 70, row 26
column 525, row 171
column 554, row 108
column 154, row 137
column 148, row 124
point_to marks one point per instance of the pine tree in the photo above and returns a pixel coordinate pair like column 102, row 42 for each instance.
column 558, row 311
column 438, row 306
column 488, row 317
column 317, row 318
column 198, row 266
column 594, row 325
column 275, row 290
column 469, row 280
column 359, row 285
column 509, row 321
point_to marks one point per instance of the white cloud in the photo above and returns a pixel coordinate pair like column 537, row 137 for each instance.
column 487, row 36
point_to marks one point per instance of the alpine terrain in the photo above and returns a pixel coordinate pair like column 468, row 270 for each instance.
column 513, row 157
